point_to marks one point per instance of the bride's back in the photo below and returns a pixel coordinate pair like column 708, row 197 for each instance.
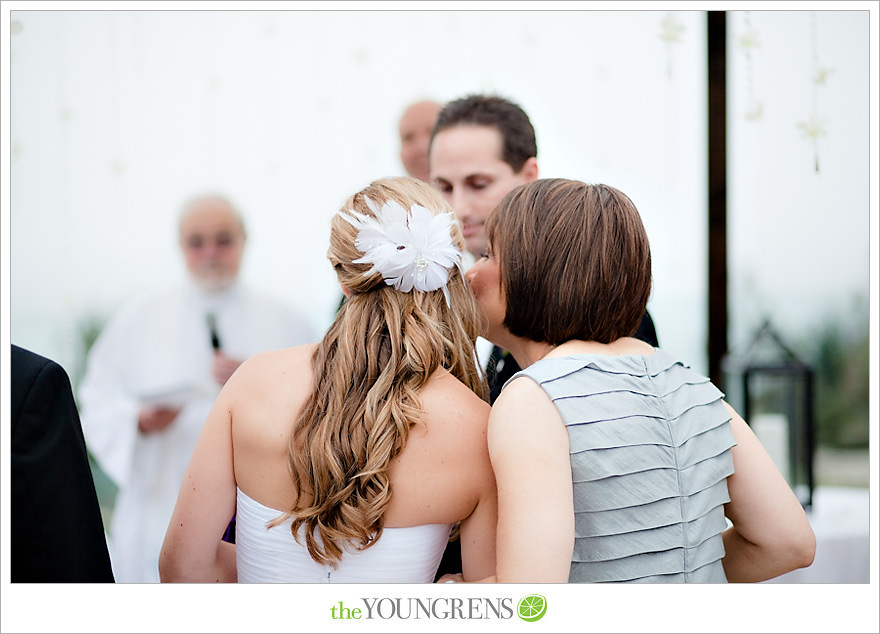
column 437, row 478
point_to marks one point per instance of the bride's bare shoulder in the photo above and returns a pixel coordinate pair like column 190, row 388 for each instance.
column 451, row 399
column 282, row 359
column 268, row 387
column 272, row 368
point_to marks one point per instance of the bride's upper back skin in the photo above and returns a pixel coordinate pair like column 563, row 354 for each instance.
column 437, row 478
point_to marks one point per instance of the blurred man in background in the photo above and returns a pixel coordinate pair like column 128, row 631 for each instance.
column 415, row 128
column 154, row 371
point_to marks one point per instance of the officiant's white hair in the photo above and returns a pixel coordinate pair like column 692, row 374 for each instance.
column 194, row 202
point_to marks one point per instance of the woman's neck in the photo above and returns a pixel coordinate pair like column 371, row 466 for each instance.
column 528, row 352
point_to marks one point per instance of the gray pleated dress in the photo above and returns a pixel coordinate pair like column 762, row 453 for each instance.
column 650, row 452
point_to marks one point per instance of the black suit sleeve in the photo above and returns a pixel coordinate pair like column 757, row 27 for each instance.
column 646, row 331
column 57, row 534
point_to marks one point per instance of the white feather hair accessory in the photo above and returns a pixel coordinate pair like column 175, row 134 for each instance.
column 410, row 251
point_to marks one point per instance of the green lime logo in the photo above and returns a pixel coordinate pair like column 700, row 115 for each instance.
column 532, row 607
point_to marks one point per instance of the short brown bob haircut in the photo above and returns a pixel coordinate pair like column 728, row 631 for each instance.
column 574, row 261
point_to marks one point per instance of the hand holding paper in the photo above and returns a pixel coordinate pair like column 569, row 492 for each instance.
column 153, row 419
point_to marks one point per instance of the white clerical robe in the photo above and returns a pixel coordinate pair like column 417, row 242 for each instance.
column 158, row 349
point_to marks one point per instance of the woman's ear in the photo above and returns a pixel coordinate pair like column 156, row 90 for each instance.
column 345, row 290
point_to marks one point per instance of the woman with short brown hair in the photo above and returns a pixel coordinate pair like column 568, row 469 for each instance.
column 615, row 462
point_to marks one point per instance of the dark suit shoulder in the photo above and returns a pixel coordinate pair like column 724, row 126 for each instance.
column 26, row 360
column 26, row 366
column 35, row 376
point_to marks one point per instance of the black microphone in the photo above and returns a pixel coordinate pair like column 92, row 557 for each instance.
column 212, row 327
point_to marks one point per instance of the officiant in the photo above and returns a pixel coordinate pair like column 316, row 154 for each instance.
column 154, row 371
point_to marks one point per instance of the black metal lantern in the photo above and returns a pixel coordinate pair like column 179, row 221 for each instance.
column 777, row 402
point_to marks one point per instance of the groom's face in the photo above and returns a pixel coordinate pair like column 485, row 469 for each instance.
column 467, row 169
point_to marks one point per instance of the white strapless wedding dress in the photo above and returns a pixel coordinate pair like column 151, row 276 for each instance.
column 272, row 555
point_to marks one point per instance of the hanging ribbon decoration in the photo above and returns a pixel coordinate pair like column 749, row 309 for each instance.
column 814, row 127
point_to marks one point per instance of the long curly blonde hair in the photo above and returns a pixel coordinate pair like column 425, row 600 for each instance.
column 379, row 352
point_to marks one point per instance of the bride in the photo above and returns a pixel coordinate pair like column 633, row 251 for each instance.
column 350, row 460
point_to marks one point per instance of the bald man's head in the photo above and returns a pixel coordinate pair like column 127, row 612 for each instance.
column 416, row 125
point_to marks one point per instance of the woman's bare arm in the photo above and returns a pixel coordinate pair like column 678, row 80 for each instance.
column 528, row 445
column 771, row 534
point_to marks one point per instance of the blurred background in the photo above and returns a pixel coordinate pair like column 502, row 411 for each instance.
column 118, row 115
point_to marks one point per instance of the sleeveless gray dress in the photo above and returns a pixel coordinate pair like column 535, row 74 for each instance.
column 650, row 455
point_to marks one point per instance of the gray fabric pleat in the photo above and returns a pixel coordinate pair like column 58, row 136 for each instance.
column 650, row 453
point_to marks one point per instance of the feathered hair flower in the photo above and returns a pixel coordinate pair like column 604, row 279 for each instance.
column 410, row 251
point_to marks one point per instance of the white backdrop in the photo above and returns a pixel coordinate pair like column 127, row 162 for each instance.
column 118, row 115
